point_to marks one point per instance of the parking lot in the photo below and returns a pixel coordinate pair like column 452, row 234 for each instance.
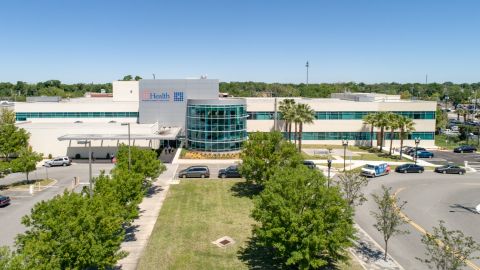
column 22, row 201
column 214, row 168
column 443, row 157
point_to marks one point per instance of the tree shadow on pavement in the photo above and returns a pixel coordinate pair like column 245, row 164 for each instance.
column 366, row 250
column 153, row 190
column 458, row 208
column 246, row 189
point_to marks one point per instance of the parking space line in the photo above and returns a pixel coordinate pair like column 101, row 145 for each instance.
column 422, row 230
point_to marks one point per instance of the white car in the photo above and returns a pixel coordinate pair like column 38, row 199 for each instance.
column 58, row 161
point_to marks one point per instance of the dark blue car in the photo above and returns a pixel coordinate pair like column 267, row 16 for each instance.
column 424, row 154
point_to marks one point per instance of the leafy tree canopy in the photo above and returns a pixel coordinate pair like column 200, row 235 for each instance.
column 264, row 153
column 305, row 223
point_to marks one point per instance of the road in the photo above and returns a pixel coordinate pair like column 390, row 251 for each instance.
column 442, row 157
column 431, row 197
column 22, row 202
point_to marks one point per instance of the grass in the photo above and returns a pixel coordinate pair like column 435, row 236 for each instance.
column 26, row 184
column 447, row 142
column 197, row 212
column 307, row 156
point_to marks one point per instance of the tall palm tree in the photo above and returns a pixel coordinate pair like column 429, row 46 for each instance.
column 305, row 116
column 287, row 109
column 370, row 119
column 381, row 121
column 406, row 125
column 392, row 126
column 463, row 112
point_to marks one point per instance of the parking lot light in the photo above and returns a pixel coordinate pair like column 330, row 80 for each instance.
column 345, row 144
column 85, row 142
column 129, row 153
column 417, row 142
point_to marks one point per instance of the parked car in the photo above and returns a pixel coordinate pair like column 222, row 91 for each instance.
column 465, row 149
column 4, row 200
column 410, row 168
column 309, row 164
column 229, row 172
column 370, row 170
column 412, row 150
column 424, row 154
column 195, row 172
column 450, row 168
column 58, row 161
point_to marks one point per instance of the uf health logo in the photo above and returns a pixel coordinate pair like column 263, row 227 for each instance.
column 164, row 96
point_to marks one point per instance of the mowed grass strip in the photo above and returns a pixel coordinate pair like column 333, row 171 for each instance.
column 195, row 213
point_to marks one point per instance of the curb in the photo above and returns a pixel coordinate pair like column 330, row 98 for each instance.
column 378, row 246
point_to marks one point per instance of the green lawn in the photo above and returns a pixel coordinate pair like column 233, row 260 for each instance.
column 447, row 142
column 24, row 185
column 195, row 213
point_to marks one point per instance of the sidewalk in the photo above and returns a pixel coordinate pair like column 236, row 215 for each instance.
column 370, row 254
column 137, row 238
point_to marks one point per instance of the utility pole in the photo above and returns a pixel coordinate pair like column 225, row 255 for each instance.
column 426, row 79
column 307, row 65
column 275, row 116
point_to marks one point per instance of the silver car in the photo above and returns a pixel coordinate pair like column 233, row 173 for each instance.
column 58, row 161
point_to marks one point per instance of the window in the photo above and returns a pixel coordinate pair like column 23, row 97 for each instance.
column 23, row 116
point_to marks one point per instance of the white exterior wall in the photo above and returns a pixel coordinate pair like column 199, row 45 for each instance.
column 44, row 138
column 267, row 104
column 125, row 90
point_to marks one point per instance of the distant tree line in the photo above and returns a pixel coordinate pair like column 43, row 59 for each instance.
column 457, row 93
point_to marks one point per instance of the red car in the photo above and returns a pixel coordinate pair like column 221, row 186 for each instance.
column 4, row 201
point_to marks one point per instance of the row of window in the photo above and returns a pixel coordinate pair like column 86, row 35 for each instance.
column 216, row 136
column 216, row 111
column 341, row 115
column 23, row 116
column 359, row 136
column 215, row 146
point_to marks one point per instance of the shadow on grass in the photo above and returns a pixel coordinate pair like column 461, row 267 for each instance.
column 257, row 256
column 20, row 183
column 246, row 189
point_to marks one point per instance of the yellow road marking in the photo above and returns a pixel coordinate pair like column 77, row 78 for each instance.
column 423, row 231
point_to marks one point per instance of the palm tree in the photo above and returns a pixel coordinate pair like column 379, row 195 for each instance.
column 370, row 119
column 305, row 116
column 288, row 112
column 406, row 125
column 392, row 126
column 463, row 112
column 382, row 121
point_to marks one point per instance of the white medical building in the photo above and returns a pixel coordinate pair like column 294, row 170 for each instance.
column 161, row 112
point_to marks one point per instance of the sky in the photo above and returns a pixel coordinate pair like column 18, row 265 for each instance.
column 246, row 40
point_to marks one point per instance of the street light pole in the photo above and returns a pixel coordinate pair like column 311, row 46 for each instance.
column 129, row 151
column 329, row 162
column 345, row 144
column 307, row 65
column 90, row 183
column 417, row 142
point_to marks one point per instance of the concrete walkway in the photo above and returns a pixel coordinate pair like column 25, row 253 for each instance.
column 142, row 227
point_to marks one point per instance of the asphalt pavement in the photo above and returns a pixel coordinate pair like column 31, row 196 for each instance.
column 430, row 197
column 443, row 157
column 22, row 202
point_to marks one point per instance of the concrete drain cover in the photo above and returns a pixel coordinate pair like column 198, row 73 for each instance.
column 223, row 241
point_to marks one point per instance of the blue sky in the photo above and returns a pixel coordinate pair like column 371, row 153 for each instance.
column 357, row 40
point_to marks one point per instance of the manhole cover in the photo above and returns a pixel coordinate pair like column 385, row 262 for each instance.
column 223, row 241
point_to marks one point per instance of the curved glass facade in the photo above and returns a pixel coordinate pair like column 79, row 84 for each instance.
column 216, row 127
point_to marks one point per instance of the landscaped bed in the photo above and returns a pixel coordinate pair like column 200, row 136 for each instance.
column 196, row 213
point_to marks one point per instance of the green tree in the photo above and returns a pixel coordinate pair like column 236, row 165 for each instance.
column 393, row 124
column 287, row 110
column 305, row 116
column 382, row 122
column 127, row 78
column 26, row 161
column 138, row 78
column 144, row 162
column 124, row 187
column 406, row 125
column 72, row 231
column 448, row 250
column 264, row 153
column 370, row 119
column 441, row 119
column 306, row 224
column 388, row 218
column 350, row 184
column 12, row 139
column 7, row 116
